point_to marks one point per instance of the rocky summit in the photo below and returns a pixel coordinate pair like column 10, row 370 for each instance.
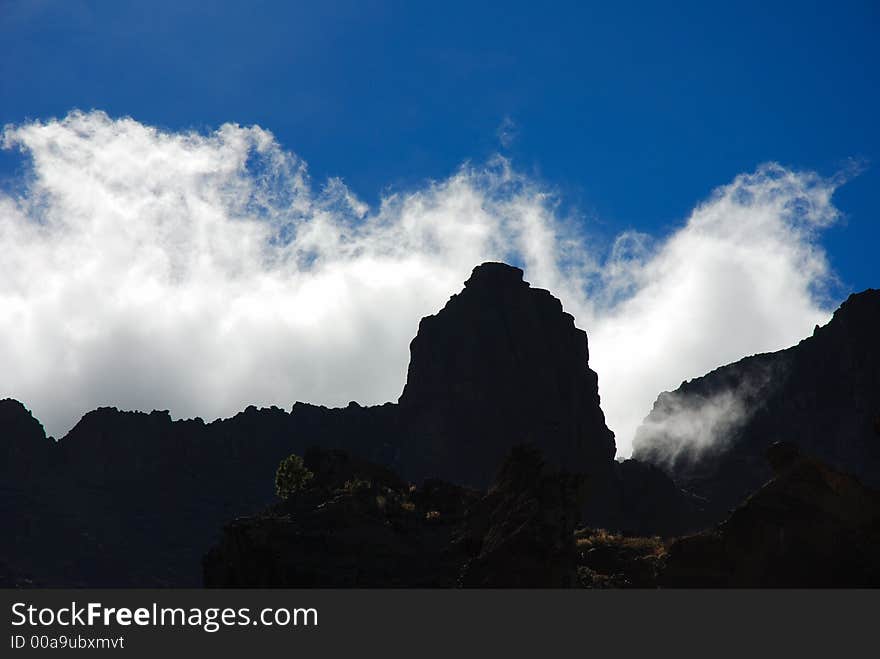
column 500, row 364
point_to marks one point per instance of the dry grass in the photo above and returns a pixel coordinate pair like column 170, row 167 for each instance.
column 587, row 539
column 612, row 560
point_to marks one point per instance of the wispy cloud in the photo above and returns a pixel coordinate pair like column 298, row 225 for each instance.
column 507, row 132
column 686, row 425
column 199, row 273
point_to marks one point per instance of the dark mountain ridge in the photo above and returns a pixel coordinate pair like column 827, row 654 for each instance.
column 822, row 395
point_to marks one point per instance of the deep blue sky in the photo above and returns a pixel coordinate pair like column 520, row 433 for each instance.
column 633, row 111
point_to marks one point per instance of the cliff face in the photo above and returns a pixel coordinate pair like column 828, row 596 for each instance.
column 25, row 449
column 500, row 364
column 822, row 395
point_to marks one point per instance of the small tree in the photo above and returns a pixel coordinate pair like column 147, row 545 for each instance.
column 291, row 477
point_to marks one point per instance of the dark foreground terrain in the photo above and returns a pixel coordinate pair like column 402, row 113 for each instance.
column 358, row 525
column 494, row 468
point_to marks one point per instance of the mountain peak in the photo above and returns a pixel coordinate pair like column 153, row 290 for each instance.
column 860, row 305
column 493, row 274
column 502, row 364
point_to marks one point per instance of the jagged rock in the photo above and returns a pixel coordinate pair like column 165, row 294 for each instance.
column 822, row 395
column 810, row 526
column 24, row 448
column 522, row 533
column 373, row 433
column 501, row 364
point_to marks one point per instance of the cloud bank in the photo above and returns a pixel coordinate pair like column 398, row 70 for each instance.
column 200, row 273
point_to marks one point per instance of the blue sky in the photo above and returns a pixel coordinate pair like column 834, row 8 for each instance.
column 633, row 111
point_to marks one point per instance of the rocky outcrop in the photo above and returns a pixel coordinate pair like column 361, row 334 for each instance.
column 500, row 364
column 823, row 395
column 358, row 525
column 809, row 526
column 521, row 534
column 24, row 447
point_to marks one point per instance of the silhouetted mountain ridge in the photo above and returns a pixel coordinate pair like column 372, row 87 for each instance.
column 822, row 395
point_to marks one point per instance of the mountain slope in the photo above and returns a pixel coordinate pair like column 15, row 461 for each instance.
column 823, row 395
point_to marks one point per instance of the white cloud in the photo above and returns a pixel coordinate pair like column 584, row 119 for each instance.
column 683, row 427
column 200, row 273
column 744, row 275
